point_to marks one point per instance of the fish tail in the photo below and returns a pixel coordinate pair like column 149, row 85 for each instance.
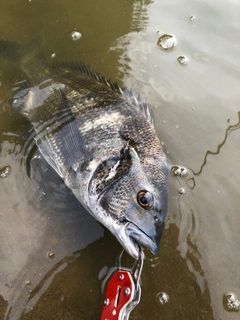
column 22, row 56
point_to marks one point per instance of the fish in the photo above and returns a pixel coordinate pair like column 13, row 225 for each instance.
column 100, row 139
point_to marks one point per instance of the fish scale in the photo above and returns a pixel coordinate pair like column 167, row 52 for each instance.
column 100, row 139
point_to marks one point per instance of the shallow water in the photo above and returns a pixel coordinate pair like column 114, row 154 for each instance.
column 51, row 249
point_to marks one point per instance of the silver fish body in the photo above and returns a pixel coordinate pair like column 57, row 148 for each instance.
column 101, row 141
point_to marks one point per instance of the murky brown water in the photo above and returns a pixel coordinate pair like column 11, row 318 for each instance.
column 51, row 249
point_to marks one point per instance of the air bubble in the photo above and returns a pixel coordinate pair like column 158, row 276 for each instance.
column 179, row 171
column 167, row 42
column 181, row 191
column 163, row 297
column 231, row 303
column 76, row 35
column 53, row 55
column 27, row 282
column 153, row 265
column 182, row 60
column 192, row 18
column 5, row 171
column 51, row 255
column 183, row 172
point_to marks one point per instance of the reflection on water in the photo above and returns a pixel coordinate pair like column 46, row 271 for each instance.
column 51, row 248
column 139, row 15
column 192, row 104
column 229, row 130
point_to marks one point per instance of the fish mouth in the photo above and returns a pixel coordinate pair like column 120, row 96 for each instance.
column 132, row 239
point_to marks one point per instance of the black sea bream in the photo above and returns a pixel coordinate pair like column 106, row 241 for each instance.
column 101, row 141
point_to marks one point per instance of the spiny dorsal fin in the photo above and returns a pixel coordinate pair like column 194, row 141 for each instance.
column 137, row 101
column 126, row 94
column 83, row 68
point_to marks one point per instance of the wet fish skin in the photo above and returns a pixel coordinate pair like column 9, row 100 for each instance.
column 101, row 140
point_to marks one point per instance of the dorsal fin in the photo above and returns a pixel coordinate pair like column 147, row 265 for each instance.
column 83, row 68
column 137, row 101
column 125, row 93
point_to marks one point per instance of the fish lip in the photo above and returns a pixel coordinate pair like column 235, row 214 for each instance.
column 135, row 238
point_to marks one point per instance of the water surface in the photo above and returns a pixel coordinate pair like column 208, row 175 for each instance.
column 51, row 249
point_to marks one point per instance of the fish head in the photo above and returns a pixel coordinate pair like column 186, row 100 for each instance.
column 134, row 206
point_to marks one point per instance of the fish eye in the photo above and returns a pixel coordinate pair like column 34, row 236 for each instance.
column 145, row 199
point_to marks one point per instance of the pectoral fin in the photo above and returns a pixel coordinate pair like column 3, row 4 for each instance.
column 61, row 142
column 72, row 141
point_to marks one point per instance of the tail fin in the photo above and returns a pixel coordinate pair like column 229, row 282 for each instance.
column 22, row 56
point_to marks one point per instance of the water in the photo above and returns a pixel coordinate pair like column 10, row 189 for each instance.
column 196, row 109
